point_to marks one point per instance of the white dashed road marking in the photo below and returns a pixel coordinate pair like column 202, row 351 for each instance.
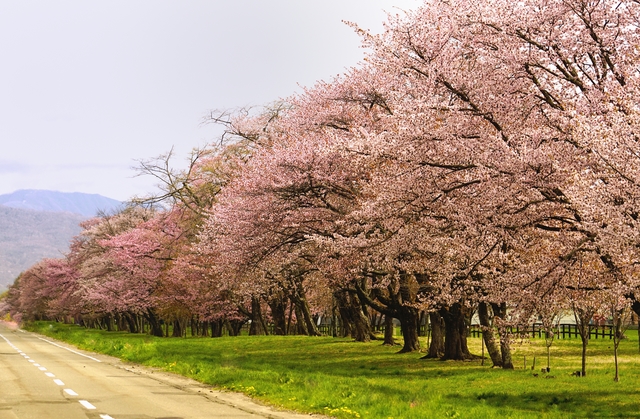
column 86, row 404
column 59, row 382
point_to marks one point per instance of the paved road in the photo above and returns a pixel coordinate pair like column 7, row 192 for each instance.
column 41, row 379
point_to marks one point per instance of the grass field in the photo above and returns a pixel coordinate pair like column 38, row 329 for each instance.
column 346, row 379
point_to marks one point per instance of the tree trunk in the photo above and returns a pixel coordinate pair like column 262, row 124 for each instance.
column 131, row 322
column 195, row 326
column 108, row 323
column 367, row 323
column 505, row 348
column 436, row 347
column 312, row 326
column 583, row 371
column 156, row 329
column 389, row 340
column 618, row 335
column 234, row 327
column 422, row 320
column 635, row 305
column 376, row 319
column 345, row 330
column 334, row 320
column 583, row 317
column 488, row 335
column 355, row 322
column 500, row 311
column 120, row 324
column 455, row 341
column 278, row 306
column 301, row 327
column 360, row 325
column 342, row 302
column 301, row 303
column 216, row 328
column 616, row 378
column 289, row 319
column 408, row 317
column 177, row 329
column 361, row 330
column 257, row 322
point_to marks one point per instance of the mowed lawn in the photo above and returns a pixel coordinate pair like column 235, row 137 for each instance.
column 346, row 379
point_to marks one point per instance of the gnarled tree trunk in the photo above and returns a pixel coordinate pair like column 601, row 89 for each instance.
column 257, row 321
column 302, row 308
column 436, row 347
column 216, row 328
column 455, row 340
column 156, row 329
column 177, row 329
column 408, row 317
column 500, row 311
column 389, row 327
column 488, row 335
column 342, row 303
column 278, row 305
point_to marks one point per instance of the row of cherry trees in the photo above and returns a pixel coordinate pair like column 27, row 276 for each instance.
column 484, row 156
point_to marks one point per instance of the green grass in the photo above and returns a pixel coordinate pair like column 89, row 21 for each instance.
column 346, row 379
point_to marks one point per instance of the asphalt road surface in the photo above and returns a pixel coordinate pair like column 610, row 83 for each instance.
column 41, row 378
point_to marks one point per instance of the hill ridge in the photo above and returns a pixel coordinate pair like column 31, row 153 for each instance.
column 87, row 205
column 37, row 224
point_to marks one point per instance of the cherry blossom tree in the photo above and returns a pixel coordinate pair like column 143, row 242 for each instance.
column 507, row 84
column 483, row 155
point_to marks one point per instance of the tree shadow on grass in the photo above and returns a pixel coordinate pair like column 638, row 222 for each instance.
column 600, row 404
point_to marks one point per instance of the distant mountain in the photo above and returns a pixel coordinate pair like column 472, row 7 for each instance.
column 37, row 224
column 84, row 204
column 27, row 236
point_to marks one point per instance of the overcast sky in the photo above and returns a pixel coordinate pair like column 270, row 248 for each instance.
column 89, row 87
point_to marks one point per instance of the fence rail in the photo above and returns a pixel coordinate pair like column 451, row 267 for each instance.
column 564, row 331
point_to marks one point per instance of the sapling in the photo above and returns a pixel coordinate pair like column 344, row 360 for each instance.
column 620, row 317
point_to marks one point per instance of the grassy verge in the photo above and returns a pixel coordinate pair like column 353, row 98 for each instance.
column 345, row 379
